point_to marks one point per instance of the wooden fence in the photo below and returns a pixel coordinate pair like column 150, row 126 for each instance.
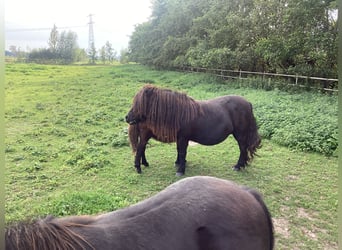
column 325, row 84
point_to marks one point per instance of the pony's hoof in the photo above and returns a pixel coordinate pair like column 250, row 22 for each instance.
column 138, row 170
column 236, row 168
column 178, row 174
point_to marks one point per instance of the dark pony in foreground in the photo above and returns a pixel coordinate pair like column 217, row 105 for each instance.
column 170, row 116
column 195, row 213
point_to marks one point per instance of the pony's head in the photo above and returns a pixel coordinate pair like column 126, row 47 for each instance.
column 132, row 118
column 141, row 104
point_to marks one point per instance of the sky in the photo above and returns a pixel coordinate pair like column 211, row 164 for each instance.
column 28, row 23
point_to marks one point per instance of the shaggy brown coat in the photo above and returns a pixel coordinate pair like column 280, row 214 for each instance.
column 170, row 116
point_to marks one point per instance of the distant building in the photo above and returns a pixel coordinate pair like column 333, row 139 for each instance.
column 9, row 53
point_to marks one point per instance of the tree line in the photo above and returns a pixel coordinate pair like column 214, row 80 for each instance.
column 63, row 49
column 280, row 36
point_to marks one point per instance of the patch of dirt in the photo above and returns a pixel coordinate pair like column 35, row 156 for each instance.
column 309, row 229
column 282, row 227
column 292, row 178
column 302, row 213
column 309, row 232
column 313, row 231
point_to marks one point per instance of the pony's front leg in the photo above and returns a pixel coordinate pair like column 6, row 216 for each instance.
column 182, row 145
column 140, row 156
column 137, row 162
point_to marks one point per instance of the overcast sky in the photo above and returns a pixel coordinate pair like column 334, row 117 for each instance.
column 28, row 22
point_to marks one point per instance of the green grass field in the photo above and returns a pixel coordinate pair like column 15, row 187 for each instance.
column 67, row 150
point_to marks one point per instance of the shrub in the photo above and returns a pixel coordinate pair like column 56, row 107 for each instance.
column 305, row 122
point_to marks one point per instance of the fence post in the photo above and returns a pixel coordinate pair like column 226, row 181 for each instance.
column 269, row 83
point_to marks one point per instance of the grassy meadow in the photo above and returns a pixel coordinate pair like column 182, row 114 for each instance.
column 67, row 150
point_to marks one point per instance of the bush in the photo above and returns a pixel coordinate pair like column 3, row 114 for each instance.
column 305, row 122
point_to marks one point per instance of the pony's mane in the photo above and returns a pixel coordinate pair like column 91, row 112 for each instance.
column 165, row 110
column 44, row 234
column 133, row 135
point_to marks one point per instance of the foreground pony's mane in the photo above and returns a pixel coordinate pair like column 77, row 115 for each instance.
column 165, row 110
column 44, row 234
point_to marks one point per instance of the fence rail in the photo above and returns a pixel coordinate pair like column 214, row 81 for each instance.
column 326, row 84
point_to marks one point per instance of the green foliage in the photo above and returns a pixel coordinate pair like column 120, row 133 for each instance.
column 107, row 53
column 92, row 54
column 66, row 47
column 305, row 122
column 275, row 36
column 120, row 139
column 63, row 49
column 42, row 56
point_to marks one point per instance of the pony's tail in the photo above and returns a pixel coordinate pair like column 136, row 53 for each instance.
column 133, row 135
column 253, row 137
column 260, row 200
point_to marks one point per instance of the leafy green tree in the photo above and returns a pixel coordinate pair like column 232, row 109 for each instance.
column 141, row 44
column 287, row 36
column 301, row 36
column 81, row 55
column 102, row 53
column 124, row 56
column 110, row 53
column 67, row 46
column 63, row 48
column 42, row 56
column 53, row 40
column 92, row 54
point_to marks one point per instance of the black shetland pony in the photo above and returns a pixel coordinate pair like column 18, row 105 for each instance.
column 170, row 116
column 195, row 213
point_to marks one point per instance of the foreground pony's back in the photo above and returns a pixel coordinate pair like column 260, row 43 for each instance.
column 195, row 213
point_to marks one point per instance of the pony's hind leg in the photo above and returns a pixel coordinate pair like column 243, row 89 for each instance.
column 249, row 141
column 243, row 158
column 137, row 163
